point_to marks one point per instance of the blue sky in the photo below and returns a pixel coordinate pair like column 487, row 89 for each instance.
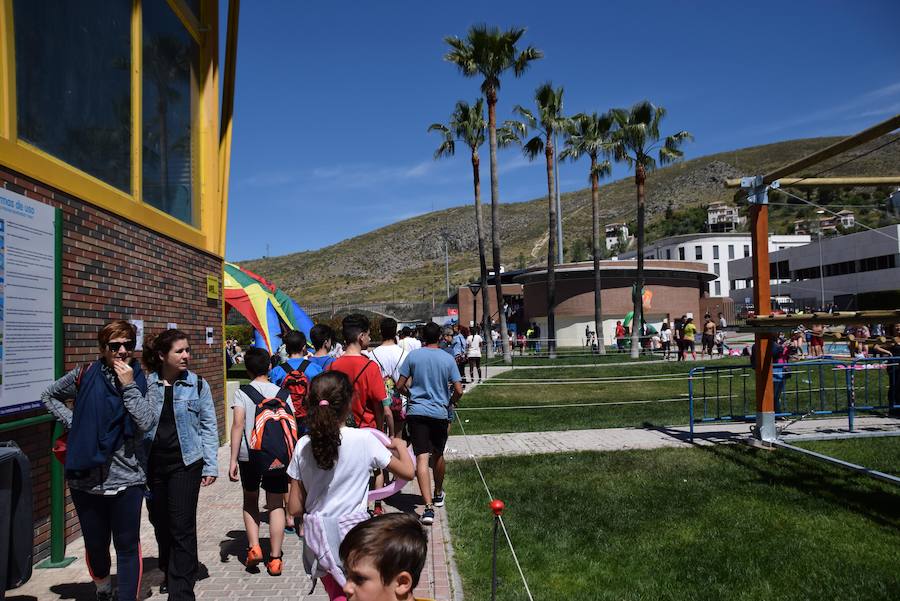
column 333, row 99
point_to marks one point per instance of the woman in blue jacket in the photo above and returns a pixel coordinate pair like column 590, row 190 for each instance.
column 104, row 460
column 181, row 457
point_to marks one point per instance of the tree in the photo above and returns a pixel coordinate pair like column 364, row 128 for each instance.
column 591, row 135
column 636, row 138
column 548, row 122
column 579, row 251
column 467, row 125
column 489, row 53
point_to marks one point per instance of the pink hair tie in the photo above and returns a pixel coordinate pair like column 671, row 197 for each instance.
column 323, row 403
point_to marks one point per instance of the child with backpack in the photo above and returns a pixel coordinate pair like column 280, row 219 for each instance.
column 329, row 473
column 263, row 434
column 295, row 374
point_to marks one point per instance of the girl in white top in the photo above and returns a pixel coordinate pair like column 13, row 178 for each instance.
column 473, row 352
column 330, row 472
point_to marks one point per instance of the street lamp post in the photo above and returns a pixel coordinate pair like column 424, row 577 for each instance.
column 819, row 214
column 474, row 288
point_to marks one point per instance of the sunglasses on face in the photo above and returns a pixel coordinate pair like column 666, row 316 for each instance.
column 115, row 346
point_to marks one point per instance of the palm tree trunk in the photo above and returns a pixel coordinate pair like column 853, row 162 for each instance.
column 638, row 312
column 595, row 243
column 495, row 222
column 551, row 253
column 482, row 260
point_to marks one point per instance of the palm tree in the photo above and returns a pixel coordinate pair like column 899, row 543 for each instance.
column 548, row 121
column 592, row 135
column 468, row 126
column 489, row 52
column 636, row 138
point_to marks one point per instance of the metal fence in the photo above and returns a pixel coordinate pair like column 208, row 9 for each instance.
column 826, row 386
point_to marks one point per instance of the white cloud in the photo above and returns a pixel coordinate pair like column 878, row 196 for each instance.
column 843, row 111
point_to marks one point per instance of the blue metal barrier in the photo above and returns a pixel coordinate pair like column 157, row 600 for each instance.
column 812, row 388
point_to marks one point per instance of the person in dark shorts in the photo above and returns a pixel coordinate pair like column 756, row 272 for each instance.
column 276, row 485
column 426, row 377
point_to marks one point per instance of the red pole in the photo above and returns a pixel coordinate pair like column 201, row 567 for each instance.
column 765, row 399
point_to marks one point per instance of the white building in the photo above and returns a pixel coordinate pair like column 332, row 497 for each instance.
column 714, row 249
column 723, row 217
column 614, row 233
column 852, row 264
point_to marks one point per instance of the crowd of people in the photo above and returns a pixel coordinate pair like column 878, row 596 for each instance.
column 305, row 431
column 319, row 425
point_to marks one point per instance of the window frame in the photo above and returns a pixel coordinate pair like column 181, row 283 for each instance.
column 205, row 232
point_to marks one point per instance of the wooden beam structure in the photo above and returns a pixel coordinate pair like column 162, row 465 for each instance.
column 757, row 187
column 876, row 131
column 785, row 182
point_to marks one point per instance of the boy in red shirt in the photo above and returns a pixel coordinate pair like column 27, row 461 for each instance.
column 369, row 394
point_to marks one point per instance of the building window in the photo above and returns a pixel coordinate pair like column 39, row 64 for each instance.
column 730, row 251
column 718, row 287
column 716, row 268
column 73, row 83
column 715, row 251
column 668, row 253
column 698, row 252
column 170, row 101
column 681, row 253
column 746, row 250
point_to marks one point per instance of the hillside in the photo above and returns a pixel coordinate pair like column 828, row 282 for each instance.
column 370, row 267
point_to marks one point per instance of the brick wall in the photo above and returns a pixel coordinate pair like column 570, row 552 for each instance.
column 116, row 269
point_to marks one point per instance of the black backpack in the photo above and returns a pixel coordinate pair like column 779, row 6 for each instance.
column 274, row 433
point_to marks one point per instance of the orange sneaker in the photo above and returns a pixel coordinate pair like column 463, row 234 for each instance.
column 254, row 556
column 273, row 566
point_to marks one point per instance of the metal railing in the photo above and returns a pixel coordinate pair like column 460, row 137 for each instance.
column 826, row 386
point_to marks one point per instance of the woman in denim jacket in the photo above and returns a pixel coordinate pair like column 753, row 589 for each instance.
column 181, row 457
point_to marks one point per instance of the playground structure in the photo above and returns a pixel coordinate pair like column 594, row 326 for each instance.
column 756, row 188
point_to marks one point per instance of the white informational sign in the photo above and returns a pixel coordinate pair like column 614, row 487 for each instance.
column 27, row 300
column 209, row 335
column 139, row 337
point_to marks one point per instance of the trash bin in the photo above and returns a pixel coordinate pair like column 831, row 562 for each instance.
column 16, row 518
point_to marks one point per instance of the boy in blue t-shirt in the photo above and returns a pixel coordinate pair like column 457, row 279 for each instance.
column 295, row 345
column 425, row 377
column 322, row 338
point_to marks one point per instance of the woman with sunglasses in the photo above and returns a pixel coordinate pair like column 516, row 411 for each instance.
column 182, row 457
column 104, row 455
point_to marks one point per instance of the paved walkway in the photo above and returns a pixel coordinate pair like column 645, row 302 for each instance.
column 616, row 439
column 222, row 543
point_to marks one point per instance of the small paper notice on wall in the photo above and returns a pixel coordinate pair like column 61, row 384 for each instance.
column 139, row 339
column 171, row 326
column 209, row 335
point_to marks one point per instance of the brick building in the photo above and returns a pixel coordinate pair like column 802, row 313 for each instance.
column 675, row 287
column 142, row 216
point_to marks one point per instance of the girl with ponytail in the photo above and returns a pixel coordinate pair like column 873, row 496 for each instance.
column 330, row 472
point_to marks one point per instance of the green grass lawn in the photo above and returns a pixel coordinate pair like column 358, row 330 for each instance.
column 649, row 382
column 723, row 522
column 561, row 398
column 568, row 356
column 858, row 451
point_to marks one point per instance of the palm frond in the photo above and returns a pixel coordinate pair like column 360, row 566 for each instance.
column 601, row 169
column 525, row 58
column 527, row 115
column 516, row 129
column 533, row 148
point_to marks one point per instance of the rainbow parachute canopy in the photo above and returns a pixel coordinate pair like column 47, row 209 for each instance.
column 269, row 309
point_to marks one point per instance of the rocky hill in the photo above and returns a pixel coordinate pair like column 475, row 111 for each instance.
column 369, row 267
